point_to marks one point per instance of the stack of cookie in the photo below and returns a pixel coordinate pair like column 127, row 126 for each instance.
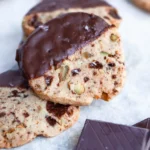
column 70, row 55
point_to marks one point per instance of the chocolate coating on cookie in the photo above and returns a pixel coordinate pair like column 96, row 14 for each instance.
column 12, row 78
column 52, row 5
column 58, row 39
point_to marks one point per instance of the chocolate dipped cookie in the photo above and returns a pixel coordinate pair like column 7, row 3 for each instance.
column 74, row 59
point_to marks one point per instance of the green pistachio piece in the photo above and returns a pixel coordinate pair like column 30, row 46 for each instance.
column 64, row 71
column 114, row 37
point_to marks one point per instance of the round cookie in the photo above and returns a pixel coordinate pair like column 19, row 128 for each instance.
column 73, row 59
column 49, row 9
column 23, row 116
column 144, row 4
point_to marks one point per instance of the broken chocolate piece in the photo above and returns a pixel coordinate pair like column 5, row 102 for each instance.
column 144, row 124
column 98, row 135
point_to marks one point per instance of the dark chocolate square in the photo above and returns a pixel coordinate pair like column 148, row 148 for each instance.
column 98, row 135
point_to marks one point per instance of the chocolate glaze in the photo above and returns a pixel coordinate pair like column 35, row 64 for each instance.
column 98, row 135
column 52, row 5
column 144, row 124
column 12, row 78
column 56, row 40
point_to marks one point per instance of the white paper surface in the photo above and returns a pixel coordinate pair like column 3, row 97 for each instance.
column 133, row 103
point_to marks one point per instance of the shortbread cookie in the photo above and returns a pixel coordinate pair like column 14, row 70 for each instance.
column 23, row 116
column 73, row 59
column 144, row 4
column 50, row 9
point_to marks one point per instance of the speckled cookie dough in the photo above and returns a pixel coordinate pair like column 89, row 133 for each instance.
column 23, row 116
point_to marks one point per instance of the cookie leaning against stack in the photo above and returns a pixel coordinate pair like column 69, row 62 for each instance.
column 49, row 9
column 144, row 4
column 23, row 116
column 73, row 59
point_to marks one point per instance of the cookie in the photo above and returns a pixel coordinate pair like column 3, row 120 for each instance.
column 23, row 116
column 74, row 59
column 144, row 4
column 49, row 9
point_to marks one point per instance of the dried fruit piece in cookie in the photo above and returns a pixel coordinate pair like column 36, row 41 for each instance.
column 81, row 67
column 23, row 116
column 50, row 9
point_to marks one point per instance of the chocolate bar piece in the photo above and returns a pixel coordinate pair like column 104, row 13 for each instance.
column 144, row 124
column 98, row 135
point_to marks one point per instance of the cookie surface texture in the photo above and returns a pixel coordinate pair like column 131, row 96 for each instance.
column 23, row 116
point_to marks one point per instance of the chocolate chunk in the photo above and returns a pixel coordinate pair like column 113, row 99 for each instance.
column 111, row 64
column 86, row 79
column 114, row 14
column 98, row 135
column 48, row 80
column 144, row 124
column 96, row 65
column 13, row 78
column 75, row 71
column 15, row 93
column 2, row 114
column 57, row 109
column 47, row 6
column 26, row 114
column 94, row 73
column 25, row 96
column 114, row 76
column 51, row 121
column 42, row 52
